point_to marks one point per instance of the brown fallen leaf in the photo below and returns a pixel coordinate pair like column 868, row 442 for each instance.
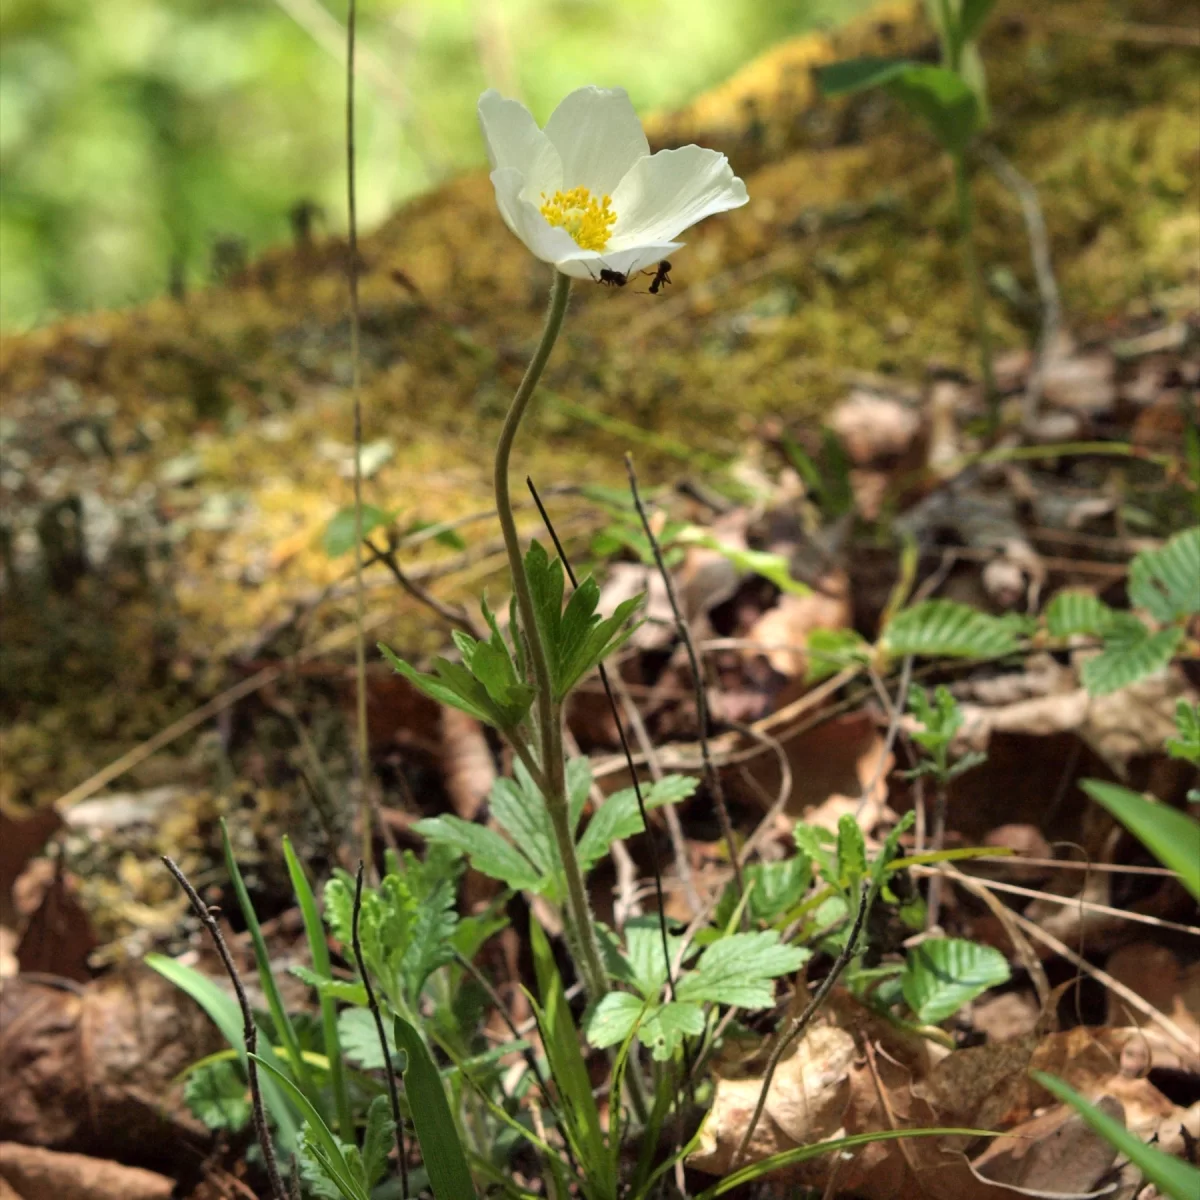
column 57, row 938
column 33, row 1173
column 782, row 632
column 92, row 1069
column 807, row 1103
column 1157, row 975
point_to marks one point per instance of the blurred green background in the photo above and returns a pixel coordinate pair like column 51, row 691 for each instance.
column 141, row 139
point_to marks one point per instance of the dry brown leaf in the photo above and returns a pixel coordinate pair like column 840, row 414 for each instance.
column 807, row 1103
column 782, row 632
column 33, row 1173
column 875, row 428
column 468, row 769
column 1157, row 975
column 57, row 937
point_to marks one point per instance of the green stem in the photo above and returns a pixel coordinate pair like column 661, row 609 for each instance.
column 966, row 225
column 582, row 935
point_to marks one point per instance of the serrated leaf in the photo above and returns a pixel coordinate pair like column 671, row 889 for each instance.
column 943, row 974
column 1131, row 652
column 851, row 853
column 360, row 1039
column 1075, row 612
column 946, row 629
column 663, row 1029
column 487, row 851
column 1166, row 582
column 619, row 816
column 378, row 1139
column 609, row 1023
column 339, row 539
column 1187, row 725
column 336, row 989
column 829, row 650
column 445, row 687
column 1172, row 837
column 518, row 808
column 644, row 952
column 218, row 1095
column 774, row 888
column 740, row 969
column 816, row 844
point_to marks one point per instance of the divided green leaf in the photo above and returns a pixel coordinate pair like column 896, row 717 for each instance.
column 740, row 970
column 217, row 1095
column 1166, row 582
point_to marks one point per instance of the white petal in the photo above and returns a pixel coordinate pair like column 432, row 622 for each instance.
column 598, row 136
column 669, row 192
column 587, row 264
column 510, row 133
column 543, row 240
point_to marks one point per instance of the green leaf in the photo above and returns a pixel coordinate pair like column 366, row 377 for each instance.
column 284, row 1028
column 1172, row 1176
column 339, row 533
column 619, row 817
column 664, row 1027
column 772, row 567
column 217, row 1095
column 581, row 1118
column 943, row 974
column 325, row 984
column 360, row 1039
column 971, row 16
column 644, row 953
column 946, row 629
column 943, row 100
column 453, row 686
column 851, row 853
column 1187, row 724
column 1172, row 837
column 520, row 810
column 1166, row 582
column 774, row 889
column 224, row 1012
column 441, row 1150
column 336, row 989
column 378, row 1139
column 610, row 1022
column 816, row 845
column 859, row 74
column 487, row 851
column 739, row 970
column 830, row 650
column 332, row 1155
column 1072, row 612
column 1131, row 652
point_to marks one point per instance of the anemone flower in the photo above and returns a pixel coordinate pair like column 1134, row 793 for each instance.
column 586, row 194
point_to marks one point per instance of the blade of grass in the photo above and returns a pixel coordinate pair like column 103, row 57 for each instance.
column 1172, row 837
column 319, row 950
column 441, row 1150
column 1172, row 1176
column 284, row 1029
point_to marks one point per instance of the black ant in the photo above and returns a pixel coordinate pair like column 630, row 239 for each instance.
column 610, row 278
column 662, row 277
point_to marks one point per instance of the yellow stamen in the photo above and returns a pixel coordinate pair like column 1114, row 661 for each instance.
column 588, row 220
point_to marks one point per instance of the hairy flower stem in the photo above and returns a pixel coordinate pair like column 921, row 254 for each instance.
column 581, row 934
column 966, row 228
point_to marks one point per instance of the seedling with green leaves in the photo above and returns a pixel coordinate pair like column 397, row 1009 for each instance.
column 1186, row 744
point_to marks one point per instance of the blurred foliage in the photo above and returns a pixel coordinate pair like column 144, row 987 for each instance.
column 154, row 143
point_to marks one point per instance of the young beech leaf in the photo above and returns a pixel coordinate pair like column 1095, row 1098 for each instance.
column 947, row 629
column 1131, row 652
column 1166, row 582
column 739, row 970
column 1073, row 611
column 943, row 974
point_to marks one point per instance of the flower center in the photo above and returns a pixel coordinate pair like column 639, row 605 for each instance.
column 587, row 219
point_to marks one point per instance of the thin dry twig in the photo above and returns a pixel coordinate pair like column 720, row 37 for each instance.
column 782, row 796
column 1177, row 1035
column 711, row 775
column 801, row 1023
column 249, row 1028
column 456, row 617
column 373, row 1005
column 683, row 868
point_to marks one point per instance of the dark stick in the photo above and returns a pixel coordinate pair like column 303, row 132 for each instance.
column 712, row 777
column 633, row 775
column 805, row 1018
column 249, row 1029
column 459, row 620
column 373, row 1005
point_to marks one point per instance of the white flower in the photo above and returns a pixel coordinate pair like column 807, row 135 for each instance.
column 586, row 194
